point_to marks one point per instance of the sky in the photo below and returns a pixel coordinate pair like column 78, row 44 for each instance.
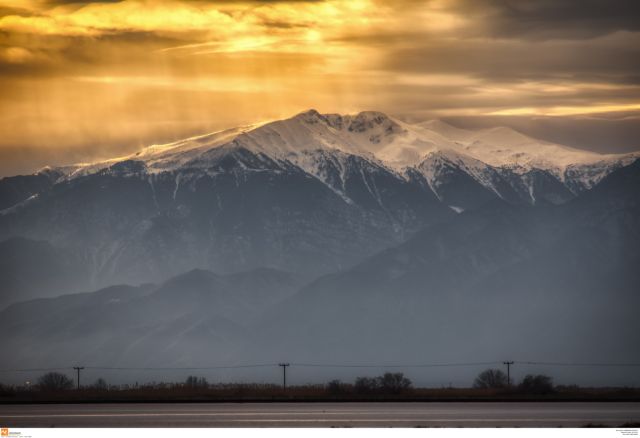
column 82, row 81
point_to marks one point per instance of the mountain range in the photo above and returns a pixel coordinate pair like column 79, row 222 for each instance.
column 325, row 237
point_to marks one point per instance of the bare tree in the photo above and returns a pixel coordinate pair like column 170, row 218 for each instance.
column 491, row 378
column 365, row 385
column 393, row 383
column 54, row 382
column 100, row 385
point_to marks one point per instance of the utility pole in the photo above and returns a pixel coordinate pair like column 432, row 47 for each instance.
column 78, row 370
column 284, row 375
column 508, row 364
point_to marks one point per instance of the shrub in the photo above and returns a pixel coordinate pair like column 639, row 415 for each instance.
column 388, row 383
column 537, row 384
column 336, row 387
column 196, row 382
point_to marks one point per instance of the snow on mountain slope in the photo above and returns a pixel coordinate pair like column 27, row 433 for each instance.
column 508, row 148
column 320, row 145
column 475, row 168
column 583, row 176
column 414, row 146
column 462, row 182
column 505, row 147
column 165, row 157
column 310, row 140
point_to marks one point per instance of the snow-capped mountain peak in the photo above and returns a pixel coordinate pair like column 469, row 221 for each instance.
column 502, row 146
column 381, row 140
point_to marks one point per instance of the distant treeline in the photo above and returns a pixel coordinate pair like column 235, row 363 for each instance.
column 490, row 385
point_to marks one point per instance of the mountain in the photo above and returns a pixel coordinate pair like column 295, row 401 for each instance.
column 242, row 211
column 17, row 189
column 183, row 321
column 377, row 137
column 462, row 182
column 507, row 148
column 537, row 171
column 554, row 283
column 31, row 268
column 311, row 194
column 557, row 282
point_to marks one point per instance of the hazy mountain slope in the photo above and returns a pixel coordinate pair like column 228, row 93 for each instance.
column 583, row 289
column 536, row 186
column 30, row 269
column 497, row 282
column 406, row 293
column 192, row 318
column 244, row 210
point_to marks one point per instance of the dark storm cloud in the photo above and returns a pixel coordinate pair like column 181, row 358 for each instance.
column 549, row 19
column 616, row 58
column 52, row 56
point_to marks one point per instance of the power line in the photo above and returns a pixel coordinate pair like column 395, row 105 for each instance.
column 326, row 365
column 428, row 365
column 579, row 364
column 219, row 367
column 24, row 370
column 139, row 368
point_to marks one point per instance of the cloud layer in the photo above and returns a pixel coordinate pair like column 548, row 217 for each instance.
column 82, row 80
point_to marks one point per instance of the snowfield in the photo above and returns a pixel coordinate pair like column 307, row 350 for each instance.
column 309, row 139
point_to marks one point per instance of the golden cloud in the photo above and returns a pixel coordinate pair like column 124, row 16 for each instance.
column 106, row 77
